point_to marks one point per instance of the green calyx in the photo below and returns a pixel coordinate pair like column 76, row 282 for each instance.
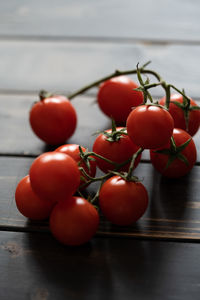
column 174, row 152
column 115, row 135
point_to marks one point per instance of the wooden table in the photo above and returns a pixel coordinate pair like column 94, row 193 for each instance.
column 60, row 46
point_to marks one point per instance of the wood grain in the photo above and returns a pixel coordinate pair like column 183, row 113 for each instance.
column 35, row 266
column 141, row 19
column 173, row 211
column 61, row 46
column 66, row 66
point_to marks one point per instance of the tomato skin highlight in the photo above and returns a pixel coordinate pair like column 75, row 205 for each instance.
column 116, row 98
column 123, row 202
column 29, row 204
column 54, row 175
column 178, row 114
column 117, row 151
column 177, row 168
column 73, row 151
column 53, row 119
column 74, row 221
column 150, row 126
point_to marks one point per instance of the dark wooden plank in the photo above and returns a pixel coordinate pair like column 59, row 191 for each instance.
column 67, row 66
column 173, row 211
column 144, row 19
column 35, row 266
column 18, row 139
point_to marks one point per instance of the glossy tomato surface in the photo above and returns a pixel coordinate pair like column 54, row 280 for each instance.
column 178, row 114
column 29, row 204
column 117, row 97
column 73, row 151
column 53, row 119
column 150, row 126
column 177, row 168
column 54, row 175
column 74, row 221
column 123, row 202
column 116, row 151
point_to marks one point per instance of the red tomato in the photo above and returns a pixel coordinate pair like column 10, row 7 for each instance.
column 54, row 175
column 53, row 119
column 116, row 151
column 150, row 126
column 116, row 98
column 177, row 167
column 123, row 202
column 74, row 221
column 177, row 114
column 29, row 204
column 73, row 151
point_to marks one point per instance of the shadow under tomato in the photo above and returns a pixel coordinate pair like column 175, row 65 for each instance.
column 104, row 268
column 169, row 196
column 70, row 272
column 48, row 148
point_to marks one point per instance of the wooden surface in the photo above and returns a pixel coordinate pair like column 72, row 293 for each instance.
column 42, row 269
column 61, row 46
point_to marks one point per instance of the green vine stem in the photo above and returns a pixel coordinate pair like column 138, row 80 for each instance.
column 145, row 86
column 93, row 179
column 115, row 74
column 101, row 157
column 130, row 171
column 127, row 176
column 180, row 92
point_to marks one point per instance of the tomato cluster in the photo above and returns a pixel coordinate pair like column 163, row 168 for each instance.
column 48, row 192
column 53, row 188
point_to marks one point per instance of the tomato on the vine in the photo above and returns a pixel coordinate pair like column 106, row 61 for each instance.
column 29, row 204
column 115, row 146
column 116, row 97
column 73, row 151
column 74, row 221
column 123, row 202
column 53, row 119
column 150, row 126
column 179, row 113
column 54, row 176
column 177, row 158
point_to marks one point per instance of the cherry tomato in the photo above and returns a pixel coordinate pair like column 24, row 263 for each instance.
column 150, row 126
column 177, row 114
column 117, row 97
column 54, row 175
column 118, row 150
column 177, row 167
column 53, row 119
column 73, row 151
column 123, row 202
column 29, row 204
column 74, row 221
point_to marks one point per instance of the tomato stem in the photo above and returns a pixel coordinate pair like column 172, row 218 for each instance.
column 167, row 93
column 130, row 171
column 110, row 173
column 179, row 91
column 101, row 157
column 93, row 179
column 44, row 94
column 114, row 74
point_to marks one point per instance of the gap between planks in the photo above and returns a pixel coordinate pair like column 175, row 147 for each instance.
column 135, row 236
column 101, row 39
